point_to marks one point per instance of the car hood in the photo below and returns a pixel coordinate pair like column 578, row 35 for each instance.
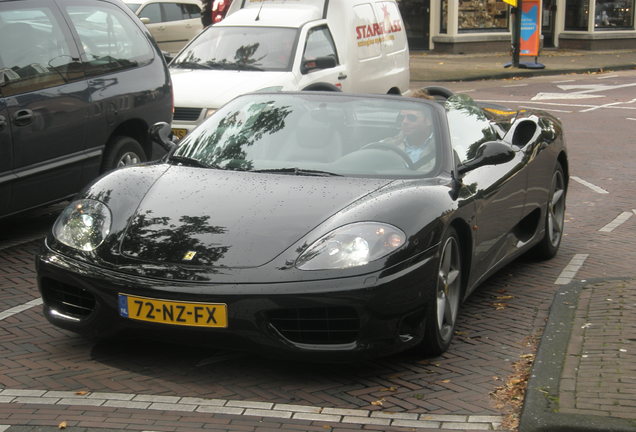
column 202, row 217
column 214, row 88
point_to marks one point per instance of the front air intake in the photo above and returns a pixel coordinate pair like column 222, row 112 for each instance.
column 67, row 299
column 319, row 326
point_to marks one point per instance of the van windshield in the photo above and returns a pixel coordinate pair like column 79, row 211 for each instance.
column 240, row 48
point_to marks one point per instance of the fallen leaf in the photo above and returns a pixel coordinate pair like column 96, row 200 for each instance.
column 391, row 389
column 505, row 297
column 444, row 381
column 81, row 393
column 62, row 425
column 499, row 306
column 378, row 402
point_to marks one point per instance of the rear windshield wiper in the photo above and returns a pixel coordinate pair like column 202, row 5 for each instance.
column 298, row 171
column 184, row 160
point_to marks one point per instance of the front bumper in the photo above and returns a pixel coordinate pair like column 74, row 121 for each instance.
column 331, row 320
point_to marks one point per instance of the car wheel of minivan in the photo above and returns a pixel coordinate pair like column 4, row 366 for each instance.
column 122, row 151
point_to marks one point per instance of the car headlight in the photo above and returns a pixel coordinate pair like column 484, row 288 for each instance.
column 209, row 112
column 351, row 245
column 83, row 225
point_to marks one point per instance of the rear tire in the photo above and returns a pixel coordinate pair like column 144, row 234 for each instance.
column 555, row 217
column 122, row 151
column 442, row 313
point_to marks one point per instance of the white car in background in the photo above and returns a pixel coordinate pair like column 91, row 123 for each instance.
column 356, row 46
column 171, row 22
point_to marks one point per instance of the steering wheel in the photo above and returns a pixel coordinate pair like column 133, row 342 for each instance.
column 390, row 147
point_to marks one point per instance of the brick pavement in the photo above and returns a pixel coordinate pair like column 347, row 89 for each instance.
column 599, row 372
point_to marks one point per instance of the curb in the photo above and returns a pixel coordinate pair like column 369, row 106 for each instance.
column 514, row 73
column 540, row 409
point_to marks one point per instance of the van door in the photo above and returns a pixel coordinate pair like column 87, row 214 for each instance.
column 319, row 47
column 46, row 103
column 6, row 175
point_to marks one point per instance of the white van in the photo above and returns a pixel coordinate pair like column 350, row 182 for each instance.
column 350, row 45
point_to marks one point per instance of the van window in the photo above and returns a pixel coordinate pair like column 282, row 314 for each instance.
column 34, row 50
column 368, row 32
column 240, row 48
column 394, row 37
column 319, row 44
column 110, row 39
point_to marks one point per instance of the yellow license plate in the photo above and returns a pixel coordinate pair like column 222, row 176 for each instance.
column 179, row 133
column 171, row 312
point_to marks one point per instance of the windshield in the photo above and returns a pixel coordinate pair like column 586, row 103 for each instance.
column 318, row 134
column 240, row 48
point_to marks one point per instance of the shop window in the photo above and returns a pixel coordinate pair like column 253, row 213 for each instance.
column 443, row 24
column 614, row 14
column 576, row 14
column 475, row 15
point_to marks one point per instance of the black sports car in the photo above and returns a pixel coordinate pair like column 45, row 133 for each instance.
column 311, row 224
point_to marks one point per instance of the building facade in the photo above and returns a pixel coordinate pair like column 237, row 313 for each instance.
column 473, row 26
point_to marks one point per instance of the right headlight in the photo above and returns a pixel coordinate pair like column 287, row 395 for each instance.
column 83, row 225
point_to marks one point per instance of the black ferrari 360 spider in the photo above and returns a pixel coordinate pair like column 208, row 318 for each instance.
column 324, row 225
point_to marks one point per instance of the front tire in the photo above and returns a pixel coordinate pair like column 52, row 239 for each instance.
column 122, row 151
column 442, row 313
column 555, row 217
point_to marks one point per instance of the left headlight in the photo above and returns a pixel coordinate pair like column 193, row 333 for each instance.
column 83, row 225
column 351, row 245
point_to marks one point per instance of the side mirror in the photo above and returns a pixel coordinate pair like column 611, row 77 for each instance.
column 326, row 62
column 161, row 133
column 145, row 20
column 489, row 153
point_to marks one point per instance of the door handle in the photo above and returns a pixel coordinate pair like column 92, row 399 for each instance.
column 342, row 76
column 23, row 117
column 3, row 122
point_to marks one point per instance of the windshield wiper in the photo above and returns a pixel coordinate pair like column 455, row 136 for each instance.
column 298, row 172
column 244, row 66
column 184, row 160
column 193, row 65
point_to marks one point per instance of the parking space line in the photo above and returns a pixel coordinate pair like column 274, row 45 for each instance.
column 595, row 188
column 569, row 272
column 246, row 408
column 618, row 221
column 17, row 309
column 4, row 427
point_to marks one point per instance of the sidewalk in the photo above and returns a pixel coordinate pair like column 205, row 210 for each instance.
column 469, row 67
column 584, row 375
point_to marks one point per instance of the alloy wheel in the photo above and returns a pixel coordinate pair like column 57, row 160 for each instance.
column 448, row 289
column 556, row 209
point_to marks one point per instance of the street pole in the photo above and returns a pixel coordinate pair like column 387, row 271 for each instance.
column 516, row 35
